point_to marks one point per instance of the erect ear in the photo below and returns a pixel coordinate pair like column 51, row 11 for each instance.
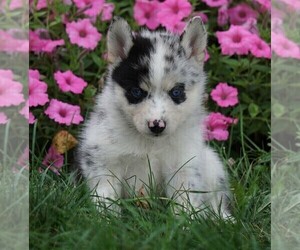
column 194, row 39
column 119, row 39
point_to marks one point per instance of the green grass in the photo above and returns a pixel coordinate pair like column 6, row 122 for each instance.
column 62, row 215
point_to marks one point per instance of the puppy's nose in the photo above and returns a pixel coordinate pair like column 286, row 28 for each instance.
column 157, row 126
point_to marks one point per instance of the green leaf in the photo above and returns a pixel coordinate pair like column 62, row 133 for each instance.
column 253, row 109
column 278, row 110
column 97, row 60
column 89, row 92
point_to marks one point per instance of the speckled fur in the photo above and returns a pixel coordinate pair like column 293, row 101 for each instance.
column 116, row 140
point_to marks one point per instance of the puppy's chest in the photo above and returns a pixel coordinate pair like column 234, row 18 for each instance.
column 157, row 163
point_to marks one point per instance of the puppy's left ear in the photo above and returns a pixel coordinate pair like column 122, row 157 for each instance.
column 194, row 39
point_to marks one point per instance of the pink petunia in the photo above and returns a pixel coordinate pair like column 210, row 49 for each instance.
column 41, row 4
column 217, row 126
column 9, row 43
column 225, row 95
column 39, row 44
column 6, row 73
column 23, row 161
column 284, row 47
column 31, row 119
column 236, row 40
column 176, row 27
column 83, row 33
column 215, row 3
column 223, row 15
column 37, row 89
column 241, row 13
column 107, row 11
column 53, row 160
column 67, row 81
column 259, row 48
column 251, row 25
column 3, row 118
column 64, row 113
column 91, row 8
column 295, row 5
column 10, row 90
column 145, row 13
column 172, row 12
column 16, row 4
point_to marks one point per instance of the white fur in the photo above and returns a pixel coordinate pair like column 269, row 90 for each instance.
column 117, row 141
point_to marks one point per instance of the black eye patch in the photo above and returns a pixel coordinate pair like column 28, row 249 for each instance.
column 177, row 93
column 135, row 95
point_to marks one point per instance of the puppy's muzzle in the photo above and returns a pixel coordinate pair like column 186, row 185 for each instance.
column 157, row 126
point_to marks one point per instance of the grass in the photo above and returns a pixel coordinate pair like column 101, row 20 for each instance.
column 14, row 187
column 62, row 215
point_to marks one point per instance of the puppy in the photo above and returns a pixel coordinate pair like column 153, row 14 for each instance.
column 149, row 117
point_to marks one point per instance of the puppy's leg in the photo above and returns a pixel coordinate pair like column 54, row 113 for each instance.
column 107, row 188
column 201, row 183
column 104, row 181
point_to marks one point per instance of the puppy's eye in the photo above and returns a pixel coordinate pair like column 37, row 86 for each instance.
column 136, row 92
column 177, row 94
column 135, row 95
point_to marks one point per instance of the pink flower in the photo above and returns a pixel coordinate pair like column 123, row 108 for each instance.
column 10, row 44
column 67, row 81
column 225, row 95
column 16, row 4
column 223, row 15
column 259, row 48
column 31, row 118
column 145, row 13
column 107, row 11
column 37, row 89
column 41, row 4
column 241, row 13
column 53, row 160
column 215, row 3
column 175, row 26
column 6, row 73
column 10, row 90
column 23, row 161
column 236, row 40
column 216, row 126
column 172, row 11
column 295, row 5
column 64, row 113
column 3, row 118
column 251, row 25
column 83, row 33
column 38, row 44
column 284, row 47
column 92, row 7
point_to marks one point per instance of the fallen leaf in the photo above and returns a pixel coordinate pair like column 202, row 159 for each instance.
column 64, row 141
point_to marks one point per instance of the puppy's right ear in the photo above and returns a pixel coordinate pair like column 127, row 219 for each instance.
column 119, row 39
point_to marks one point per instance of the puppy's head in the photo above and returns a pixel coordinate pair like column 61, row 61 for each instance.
column 157, row 77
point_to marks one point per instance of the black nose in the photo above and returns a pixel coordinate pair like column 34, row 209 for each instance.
column 157, row 126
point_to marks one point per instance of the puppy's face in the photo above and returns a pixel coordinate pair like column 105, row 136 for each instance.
column 158, row 80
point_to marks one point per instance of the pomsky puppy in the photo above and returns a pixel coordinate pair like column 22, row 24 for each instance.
column 151, row 109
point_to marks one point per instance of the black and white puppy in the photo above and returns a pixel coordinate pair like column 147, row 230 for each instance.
column 151, row 107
